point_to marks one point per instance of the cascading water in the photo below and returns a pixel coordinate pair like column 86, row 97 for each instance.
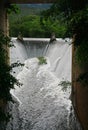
column 43, row 104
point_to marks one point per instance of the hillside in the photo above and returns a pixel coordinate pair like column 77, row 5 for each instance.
column 29, row 9
column 30, row 23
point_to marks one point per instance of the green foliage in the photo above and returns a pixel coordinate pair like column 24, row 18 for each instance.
column 55, row 26
column 78, row 25
column 7, row 81
column 30, row 26
column 65, row 85
column 42, row 60
column 82, row 55
column 57, row 10
column 12, row 8
column 60, row 11
column 65, row 7
column 69, row 12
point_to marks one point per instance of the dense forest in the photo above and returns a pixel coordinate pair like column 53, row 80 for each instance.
column 30, row 22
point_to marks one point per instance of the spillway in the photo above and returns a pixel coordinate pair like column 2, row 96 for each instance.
column 44, row 103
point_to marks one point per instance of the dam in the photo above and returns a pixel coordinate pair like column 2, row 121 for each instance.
column 44, row 97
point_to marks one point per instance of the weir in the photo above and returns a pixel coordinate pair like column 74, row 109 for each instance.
column 44, row 103
column 78, row 96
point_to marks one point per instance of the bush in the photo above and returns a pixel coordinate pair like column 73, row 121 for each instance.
column 65, row 85
column 30, row 26
column 42, row 60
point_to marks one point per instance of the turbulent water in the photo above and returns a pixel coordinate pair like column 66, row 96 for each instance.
column 44, row 103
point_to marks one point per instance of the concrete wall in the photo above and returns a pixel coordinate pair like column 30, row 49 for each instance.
column 4, row 24
column 4, row 29
column 79, row 91
column 3, row 18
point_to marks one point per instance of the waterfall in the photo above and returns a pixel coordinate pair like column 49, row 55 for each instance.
column 44, row 103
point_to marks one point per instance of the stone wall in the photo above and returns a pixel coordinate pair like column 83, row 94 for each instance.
column 79, row 92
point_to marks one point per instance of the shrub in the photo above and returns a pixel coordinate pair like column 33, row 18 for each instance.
column 42, row 60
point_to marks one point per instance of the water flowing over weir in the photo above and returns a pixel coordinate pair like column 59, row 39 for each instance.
column 44, row 103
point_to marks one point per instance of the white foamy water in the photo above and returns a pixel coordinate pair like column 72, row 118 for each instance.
column 43, row 103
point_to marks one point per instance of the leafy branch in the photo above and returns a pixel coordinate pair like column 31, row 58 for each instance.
column 12, row 8
column 7, row 80
column 65, row 85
